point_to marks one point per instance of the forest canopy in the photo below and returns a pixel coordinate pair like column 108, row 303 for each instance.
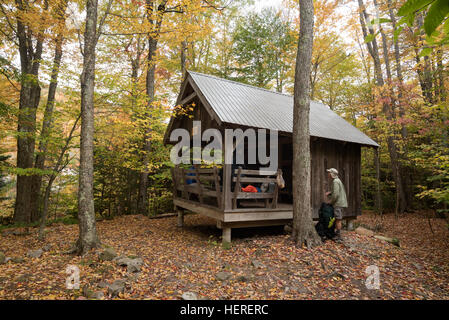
column 381, row 64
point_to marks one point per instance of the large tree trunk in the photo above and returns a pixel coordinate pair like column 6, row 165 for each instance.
column 48, row 119
column 29, row 100
column 303, row 227
column 88, row 237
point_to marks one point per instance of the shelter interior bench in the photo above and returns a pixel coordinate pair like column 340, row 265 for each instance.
column 259, row 177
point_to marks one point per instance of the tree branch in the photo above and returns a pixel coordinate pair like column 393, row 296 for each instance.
column 103, row 19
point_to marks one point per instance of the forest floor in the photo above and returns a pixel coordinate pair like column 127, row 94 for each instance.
column 262, row 263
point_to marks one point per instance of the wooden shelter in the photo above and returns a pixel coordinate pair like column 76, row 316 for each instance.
column 224, row 104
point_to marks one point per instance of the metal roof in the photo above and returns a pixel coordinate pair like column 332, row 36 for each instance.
column 242, row 104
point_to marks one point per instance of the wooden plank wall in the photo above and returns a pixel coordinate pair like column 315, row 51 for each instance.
column 345, row 157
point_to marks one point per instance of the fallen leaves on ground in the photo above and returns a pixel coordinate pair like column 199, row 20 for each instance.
column 262, row 263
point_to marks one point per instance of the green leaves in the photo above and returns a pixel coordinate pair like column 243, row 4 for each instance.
column 437, row 13
column 378, row 21
column 425, row 52
column 261, row 44
column 435, row 16
column 371, row 37
column 411, row 6
column 397, row 32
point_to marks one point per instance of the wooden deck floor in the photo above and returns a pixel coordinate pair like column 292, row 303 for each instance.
column 283, row 211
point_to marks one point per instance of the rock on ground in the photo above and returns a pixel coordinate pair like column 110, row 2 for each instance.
column 118, row 286
column 133, row 265
column 364, row 232
column 189, row 296
column 108, row 254
column 35, row 253
column 257, row 264
column 223, row 275
column 17, row 259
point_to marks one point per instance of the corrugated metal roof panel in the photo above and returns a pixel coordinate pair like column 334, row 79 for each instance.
column 242, row 104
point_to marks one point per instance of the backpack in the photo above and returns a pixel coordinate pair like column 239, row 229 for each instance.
column 326, row 221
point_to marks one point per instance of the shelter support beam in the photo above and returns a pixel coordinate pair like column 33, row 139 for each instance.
column 180, row 213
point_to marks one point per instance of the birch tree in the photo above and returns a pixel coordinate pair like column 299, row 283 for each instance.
column 88, row 237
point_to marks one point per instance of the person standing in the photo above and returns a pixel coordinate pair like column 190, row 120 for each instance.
column 337, row 199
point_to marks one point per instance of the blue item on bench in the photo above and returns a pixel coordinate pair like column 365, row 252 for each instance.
column 190, row 181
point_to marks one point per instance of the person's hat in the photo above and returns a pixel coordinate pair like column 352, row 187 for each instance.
column 333, row 172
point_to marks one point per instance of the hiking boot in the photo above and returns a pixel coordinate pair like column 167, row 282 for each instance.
column 337, row 236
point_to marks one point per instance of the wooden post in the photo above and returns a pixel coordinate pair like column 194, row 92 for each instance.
column 237, row 188
column 227, row 176
column 180, row 217
column 217, row 187
column 227, row 196
column 226, row 237
column 199, row 187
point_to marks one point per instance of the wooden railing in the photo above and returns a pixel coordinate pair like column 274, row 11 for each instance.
column 207, row 183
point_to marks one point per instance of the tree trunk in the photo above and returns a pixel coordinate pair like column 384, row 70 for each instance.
column 58, row 167
column 387, row 109
column 397, row 58
column 440, row 73
column 47, row 122
column 30, row 91
column 423, row 70
column 44, row 217
column 183, row 59
column 303, row 227
column 408, row 179
column 131, row 200
column 384, row 44
column 155, row 21
column 378, row 195
column 371, row 46
column 142, row 204
column 88, row 237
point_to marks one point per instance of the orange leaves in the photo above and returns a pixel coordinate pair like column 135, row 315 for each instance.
column 176, row 261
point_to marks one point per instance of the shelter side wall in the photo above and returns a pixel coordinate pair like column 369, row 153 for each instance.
column 345, row 157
